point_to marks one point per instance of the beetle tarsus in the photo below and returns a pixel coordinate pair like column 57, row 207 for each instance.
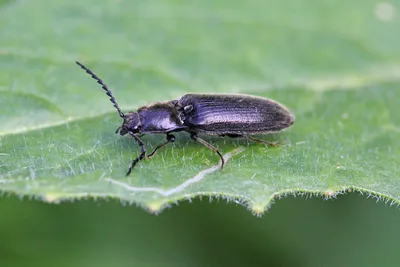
column 203, row 142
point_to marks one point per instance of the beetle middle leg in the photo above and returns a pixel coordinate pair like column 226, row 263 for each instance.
column 170, row 139
column 142, row 153
column 203, row 142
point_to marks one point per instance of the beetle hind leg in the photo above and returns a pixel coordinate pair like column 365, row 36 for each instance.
column 203, row 142
column 248, row 137
column 260, row 141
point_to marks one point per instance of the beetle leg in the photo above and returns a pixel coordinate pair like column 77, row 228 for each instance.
column 170, row 139
column 203, row 142
column 260, row 141
column 142, row 153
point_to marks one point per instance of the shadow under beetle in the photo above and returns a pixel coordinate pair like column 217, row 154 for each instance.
column 232, row 115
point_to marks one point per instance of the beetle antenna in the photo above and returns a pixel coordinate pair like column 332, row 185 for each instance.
column 104, row 86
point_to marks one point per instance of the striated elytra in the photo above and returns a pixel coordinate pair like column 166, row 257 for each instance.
column 231, row 115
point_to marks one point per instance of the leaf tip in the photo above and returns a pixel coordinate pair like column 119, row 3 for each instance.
column 258, row 209
column 330, row 194
column 155, row 207
column 52, row 198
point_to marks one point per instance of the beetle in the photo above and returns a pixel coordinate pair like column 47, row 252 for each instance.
column 231, row 115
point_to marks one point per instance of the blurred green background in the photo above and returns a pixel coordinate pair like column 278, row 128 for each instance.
column 348, row 231
column 307, row 43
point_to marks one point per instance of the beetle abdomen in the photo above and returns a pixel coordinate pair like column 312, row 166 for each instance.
column 233, row 114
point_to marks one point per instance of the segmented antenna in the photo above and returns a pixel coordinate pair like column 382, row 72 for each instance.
column 104, row 86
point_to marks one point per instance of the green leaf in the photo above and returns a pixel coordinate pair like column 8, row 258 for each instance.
column 334, row 65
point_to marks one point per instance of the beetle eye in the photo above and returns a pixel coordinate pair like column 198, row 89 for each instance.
column 188, row 108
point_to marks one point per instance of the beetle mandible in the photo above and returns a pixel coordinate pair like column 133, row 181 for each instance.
column 232, row 115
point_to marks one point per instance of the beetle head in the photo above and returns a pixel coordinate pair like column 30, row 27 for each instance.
column 131, row 124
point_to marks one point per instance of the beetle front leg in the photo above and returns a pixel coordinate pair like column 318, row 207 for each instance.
column 203, row 142
column 142, row 153
column 170, row 139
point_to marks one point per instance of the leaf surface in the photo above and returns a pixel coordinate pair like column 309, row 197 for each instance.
column 336, row 66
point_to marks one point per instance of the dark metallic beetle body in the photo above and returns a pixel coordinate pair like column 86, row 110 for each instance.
column 232, row 115
column 223, row 114
column 213, row 114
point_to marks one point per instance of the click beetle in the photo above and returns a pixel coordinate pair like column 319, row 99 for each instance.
column 231, row 115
